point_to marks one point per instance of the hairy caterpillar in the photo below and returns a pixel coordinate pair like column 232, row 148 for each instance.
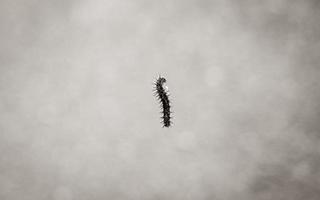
column 162, row 94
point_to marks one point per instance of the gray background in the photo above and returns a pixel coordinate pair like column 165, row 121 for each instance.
column 78, row 120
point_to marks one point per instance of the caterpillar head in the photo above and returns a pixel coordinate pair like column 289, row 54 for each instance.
column 161, row 80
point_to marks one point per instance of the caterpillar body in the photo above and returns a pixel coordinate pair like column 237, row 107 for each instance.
column 162, row 94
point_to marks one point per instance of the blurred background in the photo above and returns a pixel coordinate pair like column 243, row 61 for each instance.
column 78, row 119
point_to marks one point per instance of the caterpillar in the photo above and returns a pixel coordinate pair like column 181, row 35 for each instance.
column 162, row 94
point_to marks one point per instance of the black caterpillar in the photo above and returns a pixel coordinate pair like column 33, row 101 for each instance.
column 162, row 95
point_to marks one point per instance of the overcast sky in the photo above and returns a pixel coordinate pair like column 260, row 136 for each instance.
column 78, row 119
